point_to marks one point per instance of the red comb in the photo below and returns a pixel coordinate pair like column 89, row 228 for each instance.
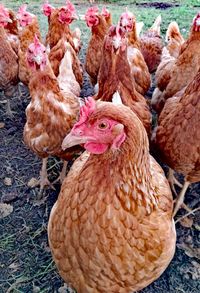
column 22, row 8
column 70, row 6
column 196, row 22
column 47, row 8
column 36, row 41
column 105, row 12
column 92, row 11
column 86, row 110
column 4, row 11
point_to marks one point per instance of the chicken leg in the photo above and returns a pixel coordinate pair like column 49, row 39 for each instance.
column 62, row 175
column 180, row 198
column 44, row 181
column 9, row 112
column 172, row 181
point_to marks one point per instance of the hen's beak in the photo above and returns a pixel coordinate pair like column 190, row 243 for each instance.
column 124, row 22
column 38, row 59
column 71, row 140
column 75, row 16
column 82, row 17
column 9, row 20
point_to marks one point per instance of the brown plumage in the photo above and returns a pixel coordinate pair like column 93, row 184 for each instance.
column 94, row 49
column 184, row 68
column 26, row 37
column 12, row 31
column 177, row 138
column 58, row 30
column 139, row 68
column 174, row 39
column 47, row 117
column 8, row 68
column 56, row 55
column 151, row 45
column 115, row 78
column 111, row 229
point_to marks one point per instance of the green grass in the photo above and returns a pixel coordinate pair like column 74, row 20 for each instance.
column 183, row 14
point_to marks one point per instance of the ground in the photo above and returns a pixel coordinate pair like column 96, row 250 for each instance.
column 25, row 260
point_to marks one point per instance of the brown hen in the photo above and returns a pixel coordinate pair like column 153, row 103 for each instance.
column 59, row 21
column 12, row 31
column 115, row 76
column 99, row 28
column 184, row 68
column 53, row 108
column 177, row 137
column 151, row 45
column 111, row 229
column 8, row 61
column 139, row 69
column 29, row 27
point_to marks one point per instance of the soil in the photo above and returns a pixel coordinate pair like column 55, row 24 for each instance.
column 25, row 260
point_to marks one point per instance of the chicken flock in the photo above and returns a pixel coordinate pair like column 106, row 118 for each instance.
column 112, row 227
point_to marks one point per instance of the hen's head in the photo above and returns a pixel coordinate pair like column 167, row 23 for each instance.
column 127, row 20
column 36, row 55
column 116, row 39
column 97, row 128
column 91, row 16
column 24, row 17
column 4, row 16
column 105, row 12
column 67, row 13
column 47, row 8
column 196, row 23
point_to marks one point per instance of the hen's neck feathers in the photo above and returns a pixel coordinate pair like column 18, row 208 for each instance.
column 100, row 29
column 2, row 32
column 112, row 77
column 133, row 38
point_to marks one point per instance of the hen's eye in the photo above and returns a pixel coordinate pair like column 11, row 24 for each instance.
column 102, row 125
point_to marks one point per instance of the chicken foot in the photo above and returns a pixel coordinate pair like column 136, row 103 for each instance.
column 62, row 175
column 44, row 181
column 180, row 198
column 9, row 112
column 172, row 181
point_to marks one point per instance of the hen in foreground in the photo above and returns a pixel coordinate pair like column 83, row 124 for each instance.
column 111, row 229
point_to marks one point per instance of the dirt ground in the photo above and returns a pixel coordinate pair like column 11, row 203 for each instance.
column 25, row 260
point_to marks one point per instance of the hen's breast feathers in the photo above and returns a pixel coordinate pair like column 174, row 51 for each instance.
column 8, row 62
column 50, row 115
column 138, row 247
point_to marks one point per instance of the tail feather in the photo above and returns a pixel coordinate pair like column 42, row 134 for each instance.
column 173, row 32
column 156, row 25
column 139, row 26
